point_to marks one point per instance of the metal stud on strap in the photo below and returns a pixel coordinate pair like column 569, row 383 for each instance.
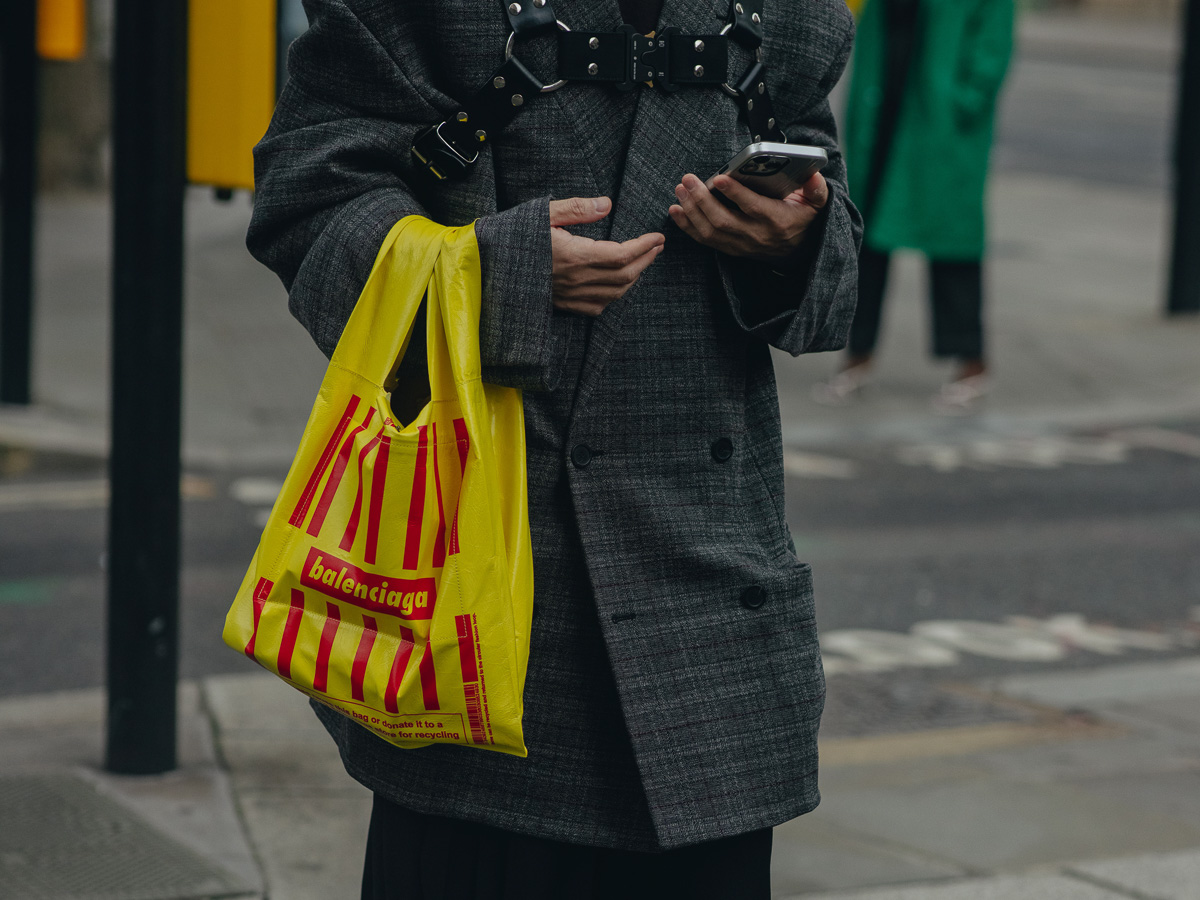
column 745, row 23
column 528, row 17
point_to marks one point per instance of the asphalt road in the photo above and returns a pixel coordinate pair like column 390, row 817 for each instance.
column 1093, row 112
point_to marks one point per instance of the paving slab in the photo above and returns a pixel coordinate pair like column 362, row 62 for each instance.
column 312, row 847
column 983, row 820
column 1047, row 887
column 1163, row 876
column 813, row 853
column 306, row 818
column 1106, row 685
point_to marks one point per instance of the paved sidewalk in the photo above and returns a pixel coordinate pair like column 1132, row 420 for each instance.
column 1096, row 797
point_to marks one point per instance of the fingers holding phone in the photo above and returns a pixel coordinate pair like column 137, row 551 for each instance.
column 756, row 227
column 759, row 205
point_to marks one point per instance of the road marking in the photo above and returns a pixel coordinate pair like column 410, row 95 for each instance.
column 1021, row 453
column 1161, row 439
column 991, row 640
column 75, row 495
column 256, row 491
column 941, row 643
column 1074, row 632
column 812, row 465
column 53, row 495
column 881, row 651
column 1042, row 452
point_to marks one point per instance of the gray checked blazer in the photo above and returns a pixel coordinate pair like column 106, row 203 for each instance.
column 675, row 684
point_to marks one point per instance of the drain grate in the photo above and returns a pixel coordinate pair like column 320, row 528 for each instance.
column 60, row 839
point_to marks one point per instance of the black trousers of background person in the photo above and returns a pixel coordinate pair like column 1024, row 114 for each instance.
column 412, row 856
column 956, row 292
column 956, row 287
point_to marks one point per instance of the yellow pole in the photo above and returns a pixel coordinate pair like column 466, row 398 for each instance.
column 231, row 87
column 62, row 29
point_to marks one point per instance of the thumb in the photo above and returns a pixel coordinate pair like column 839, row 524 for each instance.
column 578, row 210
column 814, row 192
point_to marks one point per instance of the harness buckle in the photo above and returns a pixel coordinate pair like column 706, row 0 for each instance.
column 440, row 157
column 652, row 58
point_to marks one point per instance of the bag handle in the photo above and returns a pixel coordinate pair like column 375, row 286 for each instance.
column 419, row 259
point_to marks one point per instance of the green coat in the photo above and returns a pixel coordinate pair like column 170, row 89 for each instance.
column 932, row 192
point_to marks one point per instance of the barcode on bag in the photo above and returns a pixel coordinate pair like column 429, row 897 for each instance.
column 474, row 689
column 475, row 714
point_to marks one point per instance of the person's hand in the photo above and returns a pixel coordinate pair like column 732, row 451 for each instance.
column 760, row 228
column 588, row 275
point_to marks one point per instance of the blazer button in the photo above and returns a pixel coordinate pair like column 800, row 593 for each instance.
column 754, row 596
column 581, row 455
column 722, row 449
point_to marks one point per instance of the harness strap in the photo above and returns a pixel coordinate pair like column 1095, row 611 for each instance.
column 745, row 23
column 669, row 60
column 625, row 58
column 755, row 101
column 448, row 149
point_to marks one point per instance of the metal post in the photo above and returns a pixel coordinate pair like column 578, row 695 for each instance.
column 1184, row 295
column 149, row 124
column 18, row 106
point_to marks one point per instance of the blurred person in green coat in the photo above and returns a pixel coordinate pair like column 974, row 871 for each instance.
column 918, row 132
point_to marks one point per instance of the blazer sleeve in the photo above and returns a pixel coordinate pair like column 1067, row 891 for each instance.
column 333, row 174
column 806, row 303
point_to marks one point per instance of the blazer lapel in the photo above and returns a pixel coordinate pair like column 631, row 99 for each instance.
column 692, row 130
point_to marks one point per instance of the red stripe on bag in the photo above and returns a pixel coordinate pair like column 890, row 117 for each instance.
column 333, row 619
column 290, row 631
column 439, row 543
column 261, row 590
column 399, row 667
column 358, row 672
column 356, row 513
column 463, row 440
column 466, row 649
column 335, row 477
column 375, row 511
column 310, row 489
column 429, row 680
column 416, row 507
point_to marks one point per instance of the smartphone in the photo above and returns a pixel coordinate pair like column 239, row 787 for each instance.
column 773, row 169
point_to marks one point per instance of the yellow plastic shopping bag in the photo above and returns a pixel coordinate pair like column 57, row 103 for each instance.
column 394, row 580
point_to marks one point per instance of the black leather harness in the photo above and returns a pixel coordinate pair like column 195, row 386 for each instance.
column 669, row 60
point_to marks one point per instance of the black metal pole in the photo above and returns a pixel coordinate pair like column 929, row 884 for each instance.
column 19, row 81
column 1184, row 293
column 149, row 132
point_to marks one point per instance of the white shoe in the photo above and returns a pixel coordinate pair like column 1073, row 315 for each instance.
column 843, row 387
column 962, row 397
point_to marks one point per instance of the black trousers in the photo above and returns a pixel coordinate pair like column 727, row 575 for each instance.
column 956, row 294
column 411, row 856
